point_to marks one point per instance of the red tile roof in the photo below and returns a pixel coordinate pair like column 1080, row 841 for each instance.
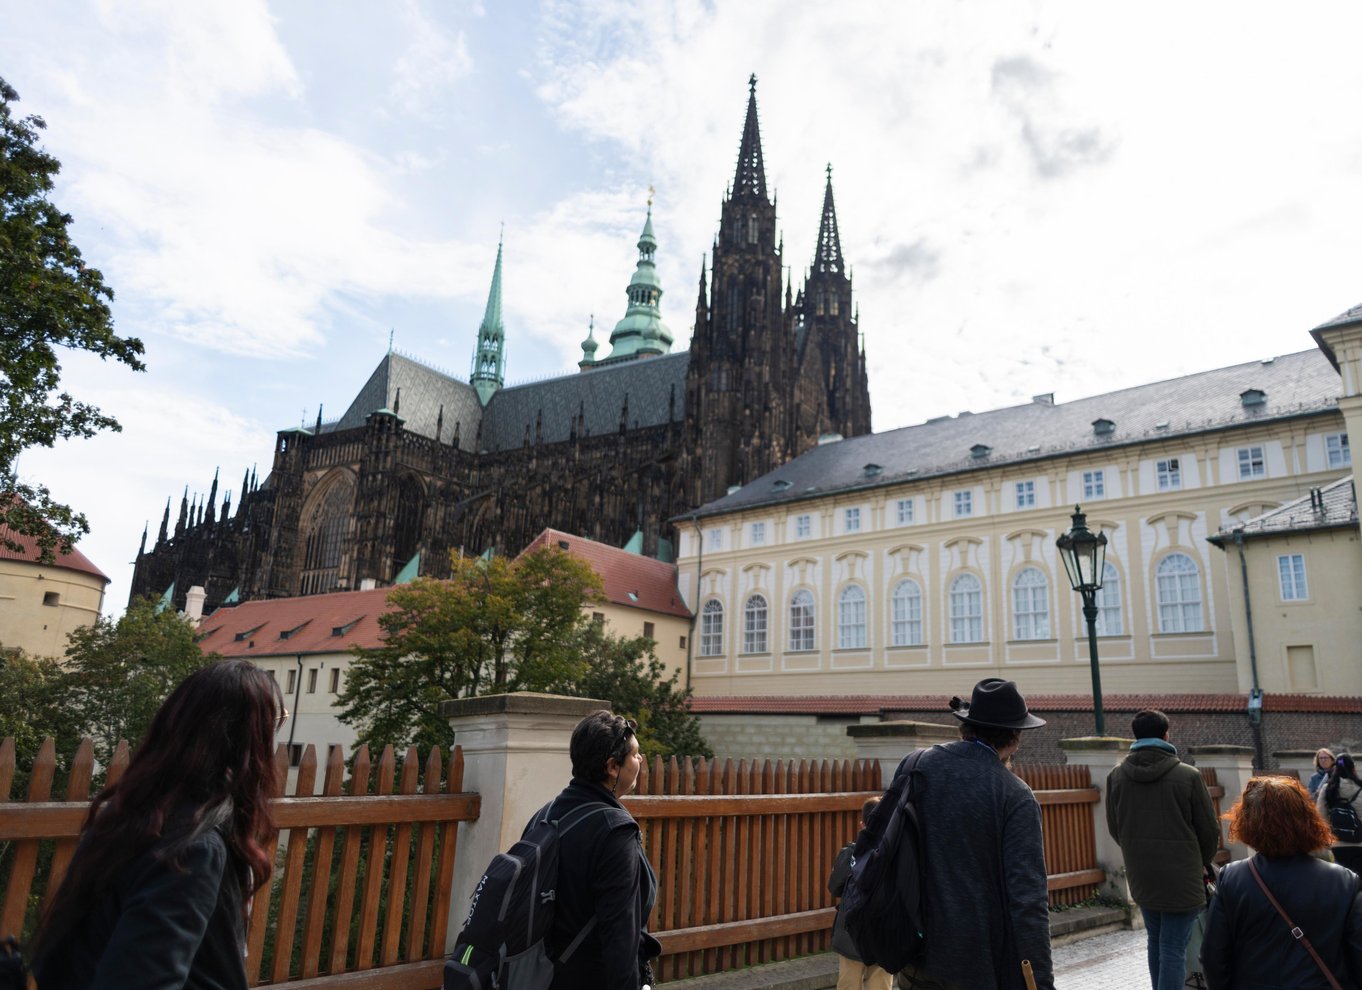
column 871, row 704
column 310, row 624
column 73, row 561
column 630, row 579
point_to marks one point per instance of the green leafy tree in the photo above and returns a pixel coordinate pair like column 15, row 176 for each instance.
column 493, row 626
column 49, row 300
column 33, row 705
column 627, row 673
column 119, row 671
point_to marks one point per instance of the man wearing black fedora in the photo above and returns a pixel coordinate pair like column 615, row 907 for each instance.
column 986, row 902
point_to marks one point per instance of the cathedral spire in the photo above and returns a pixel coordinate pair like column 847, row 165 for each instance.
column 642, row 331
column 164, row 533
column 828, row 257
column 750, row 178
column 211, row 513
column 489, row 360
column 589, row 345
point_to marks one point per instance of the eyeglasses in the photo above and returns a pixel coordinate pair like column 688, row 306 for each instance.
column 621, row 738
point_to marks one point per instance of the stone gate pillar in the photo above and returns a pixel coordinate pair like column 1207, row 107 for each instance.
column 890, row 742
column 1100, row 754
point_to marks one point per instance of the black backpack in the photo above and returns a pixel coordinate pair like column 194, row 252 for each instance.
column 501, row 946
column 882, row 901
column 1343, row 820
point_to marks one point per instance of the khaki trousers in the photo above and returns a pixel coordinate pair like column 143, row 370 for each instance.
column 850, row 973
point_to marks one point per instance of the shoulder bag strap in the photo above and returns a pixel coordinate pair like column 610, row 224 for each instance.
column 1296, row 932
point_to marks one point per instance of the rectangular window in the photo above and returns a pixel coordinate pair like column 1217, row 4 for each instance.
column 1251, row 464
column 683, row 642
column 598, row 618
column 335, row 680
column 758, row 534
column 648, row 630
column 295, row 754
column 1026, row 494
column 803, row 527
column 52, row 598
column 274, row 677
column 852, row 520
column 1170, row 474
column 964, row 504
column 1291, row 571
column 716, row 539
column 904, row 507
column 1094, row 485
column 1339, row 453
column 312, row 681
column 292, row 681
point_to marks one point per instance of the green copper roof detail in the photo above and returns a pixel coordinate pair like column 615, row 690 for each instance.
column 489, row 359
column 589, row 345
column 642, row 331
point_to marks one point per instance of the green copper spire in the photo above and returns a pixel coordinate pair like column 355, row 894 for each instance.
column 589, row 345
column 489, row 360
column 642, row 331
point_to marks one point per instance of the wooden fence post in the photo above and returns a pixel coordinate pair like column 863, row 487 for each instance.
column 1099, row 755
column 515, row 751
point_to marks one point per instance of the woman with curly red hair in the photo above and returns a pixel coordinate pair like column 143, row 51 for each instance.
column 1248, row 943
column 170, row 856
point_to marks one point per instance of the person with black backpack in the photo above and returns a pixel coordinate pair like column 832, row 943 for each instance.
column 1338, row 803
column 980, row 860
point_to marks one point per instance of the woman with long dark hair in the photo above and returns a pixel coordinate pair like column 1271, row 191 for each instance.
column 1343, row 790
column 170, row 856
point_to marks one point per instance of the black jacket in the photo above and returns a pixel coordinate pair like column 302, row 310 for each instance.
column 1249, row 947
column 159, row 928
column 837, row 882
column 602, row 873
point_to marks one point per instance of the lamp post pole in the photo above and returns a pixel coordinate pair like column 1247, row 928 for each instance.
column 1090, row 613
column 1084, row 557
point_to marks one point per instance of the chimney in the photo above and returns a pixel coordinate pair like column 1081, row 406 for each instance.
column 193, row 604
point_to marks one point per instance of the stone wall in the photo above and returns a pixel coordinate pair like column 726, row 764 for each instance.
column 783, row 737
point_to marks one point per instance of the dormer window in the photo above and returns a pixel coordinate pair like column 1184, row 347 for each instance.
column 980, row 450
column 248, row 633
column 1252, row 397
column 873, row 470
column 780, row 485
column 1103, row 427
column 290, row 633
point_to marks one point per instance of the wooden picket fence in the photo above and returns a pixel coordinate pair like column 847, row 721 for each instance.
column 1068, row 803
column 367, row 866
column 1217, row 790
column 742, row 852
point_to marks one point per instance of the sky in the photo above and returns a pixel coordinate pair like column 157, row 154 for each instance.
column 1066, row 197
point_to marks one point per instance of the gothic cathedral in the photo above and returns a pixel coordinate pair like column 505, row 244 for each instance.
column 422, row 465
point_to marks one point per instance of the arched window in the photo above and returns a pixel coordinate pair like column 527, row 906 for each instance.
column 906, row 604
column 1109, row 621
column 326, row 524
column 1178, row 587
column 967, row 610
column 851, row 618
column 801, row 621
column 1030, row 605
column 411, row 500
column 754, row 625
column 712, row 629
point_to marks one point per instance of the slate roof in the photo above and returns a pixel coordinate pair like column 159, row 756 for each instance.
column 629, row 579
column 864, row 704
column 73, row 561
column 273, row 626
column 1346, row 318
column 1335, row 507
column 600, row 393
column 647, row 384
column 1295, row 384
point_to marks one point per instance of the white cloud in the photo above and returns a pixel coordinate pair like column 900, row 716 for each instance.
column 433, row 60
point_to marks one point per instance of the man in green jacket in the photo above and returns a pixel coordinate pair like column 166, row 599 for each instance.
column 1160, row 814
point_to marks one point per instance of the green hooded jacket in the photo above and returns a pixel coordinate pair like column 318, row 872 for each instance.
column 1160, row 814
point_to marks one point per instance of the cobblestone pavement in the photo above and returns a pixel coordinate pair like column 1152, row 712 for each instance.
column 1115, row 961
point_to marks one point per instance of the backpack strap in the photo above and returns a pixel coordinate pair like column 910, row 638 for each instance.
column 1296, row 932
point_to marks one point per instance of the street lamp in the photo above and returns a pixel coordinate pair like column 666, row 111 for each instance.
column 1084, row 555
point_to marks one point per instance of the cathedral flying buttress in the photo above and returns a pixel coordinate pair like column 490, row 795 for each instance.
column 422, row 465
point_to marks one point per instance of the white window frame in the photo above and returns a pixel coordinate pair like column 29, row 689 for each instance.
column 758, row 534
column 714, row 539
column 1177, row 591
column 754, row 624
column 904, row 508
column 967, row 609
column 1094, row 484
column 1030, row 604
column 1110, row 621
column 964, row 504
column 712, row 629
column 1337, row 451
column 1169, row 473
column 851, row 519
column 851, row 618
column 1291, row 577
column 1252, row 462
column 803, row 622
column 905, row 605
column 1026, row 494
column 803, row 526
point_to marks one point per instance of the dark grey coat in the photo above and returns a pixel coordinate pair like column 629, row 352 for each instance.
column 1160, row 814
column 983, row 870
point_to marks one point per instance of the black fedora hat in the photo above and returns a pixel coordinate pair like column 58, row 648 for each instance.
column 996, row 704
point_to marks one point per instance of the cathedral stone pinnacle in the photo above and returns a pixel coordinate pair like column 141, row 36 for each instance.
column 489, row 360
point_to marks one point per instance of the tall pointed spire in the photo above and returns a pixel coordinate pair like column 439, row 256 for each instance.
column 164, row 533
column 642, row 330
column 489, row 360
column 211, row 513
column 589, row 345
column 184, row 513
column 750, row 178
column 828, row 257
